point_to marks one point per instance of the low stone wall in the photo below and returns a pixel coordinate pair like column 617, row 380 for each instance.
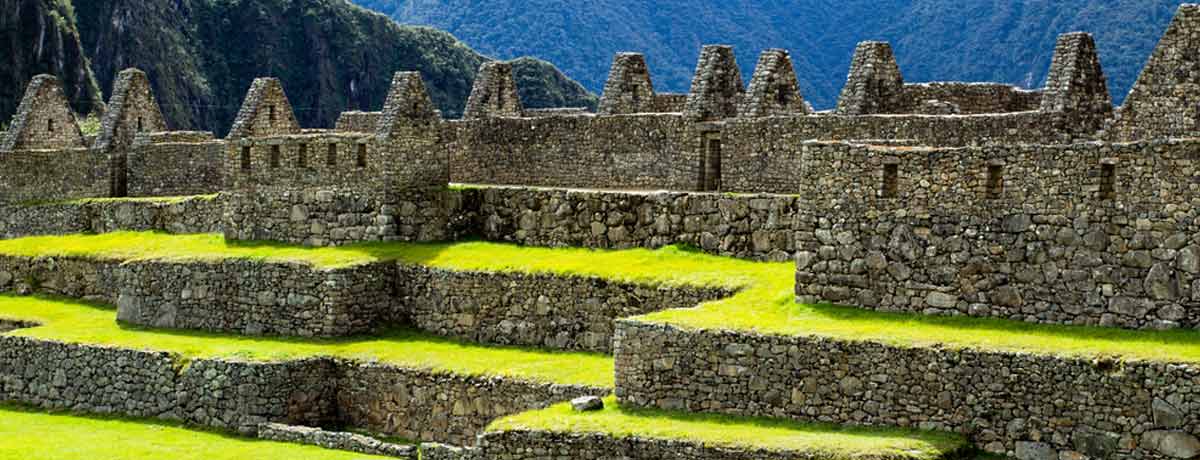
column 175, row 164
column 747, row 226
column 1003, row 401
column 550, row 311
column 242, row 296
column 439, row 407
column 335, row 440
column 78, row 278
column 222, row 394
column 544, row 445
column 201, row 214
column 242, row 396
column 333, row 217
column 255, row 297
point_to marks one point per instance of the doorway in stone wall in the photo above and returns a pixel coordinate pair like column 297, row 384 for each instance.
column 710, row 163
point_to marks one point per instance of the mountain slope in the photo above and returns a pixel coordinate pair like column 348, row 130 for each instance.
column 39, row 36
column 995, row 40
column 332, row 56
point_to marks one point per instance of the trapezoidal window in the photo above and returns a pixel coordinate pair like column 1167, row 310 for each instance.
column 275, row 156
column 50, row 125
column 139, row 124
column 271, row 113
column 302, row 156
column 246, row 158
column 361, row 158
column 331, row 156
column 891, row 181
column 1108, row 181
column 995, row 181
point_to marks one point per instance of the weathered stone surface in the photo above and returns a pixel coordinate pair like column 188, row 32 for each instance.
column 587, row 403
column 1097, row 413
column 1174, row 444
column 334, row 440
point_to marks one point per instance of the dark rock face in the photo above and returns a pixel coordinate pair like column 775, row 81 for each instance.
column 39, row 37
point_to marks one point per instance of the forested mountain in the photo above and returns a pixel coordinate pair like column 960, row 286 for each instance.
column 994, row 40
column 201, row 56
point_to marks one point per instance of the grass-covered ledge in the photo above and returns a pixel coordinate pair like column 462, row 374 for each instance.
column 764, row 302
column 89, row 324
column 63, row 436
column 818, row 441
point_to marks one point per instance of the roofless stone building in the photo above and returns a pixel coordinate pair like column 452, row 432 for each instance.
column 1046, row 206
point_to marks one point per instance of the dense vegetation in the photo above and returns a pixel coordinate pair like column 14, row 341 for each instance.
column 332, row 56
column 39, row 36
column 993, row 40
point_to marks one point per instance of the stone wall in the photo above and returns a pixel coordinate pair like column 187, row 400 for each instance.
column 48, row 175
column 1078, row 234
column 131, row 110
column 201, row 214
column 439, row 407
column 747, row 226
column 358, row 122
column 242, row 396
column 623, row 152
column 546, row 445
column 338, row 216
column 44, row 120
column 1004, row 401
column 339, row 440
column 175, row 164
column 255, row 297
column 1163, row 101
column 242, row 296
column 950, row 98
column 547, row 311
column 213, row 393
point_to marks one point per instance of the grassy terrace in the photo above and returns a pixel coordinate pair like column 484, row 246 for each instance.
column 69, row 437
column 75, row 322
column 819, row 441
column 764, row 303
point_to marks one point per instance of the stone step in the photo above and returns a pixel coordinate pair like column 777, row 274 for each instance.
column 618, row 432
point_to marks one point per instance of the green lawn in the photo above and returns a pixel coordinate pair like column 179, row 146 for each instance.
column 75, row 322
column 69, row 437
column 764, row 302
column 818, row 440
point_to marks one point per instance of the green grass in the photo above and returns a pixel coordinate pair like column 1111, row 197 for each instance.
column 76, row 322
column 764, row 302
column 72, row 437
column 819, row 440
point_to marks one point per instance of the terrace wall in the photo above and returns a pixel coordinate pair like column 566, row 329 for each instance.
column 243, row 396
column 439, row 407
column 545, row 445
column 558, row 312
column 1003, row 401
column 191, row 215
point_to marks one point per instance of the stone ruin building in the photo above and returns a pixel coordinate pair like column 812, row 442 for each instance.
column 947, row 198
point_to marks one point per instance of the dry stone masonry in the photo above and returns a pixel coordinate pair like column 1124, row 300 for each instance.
column 1045, row 205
